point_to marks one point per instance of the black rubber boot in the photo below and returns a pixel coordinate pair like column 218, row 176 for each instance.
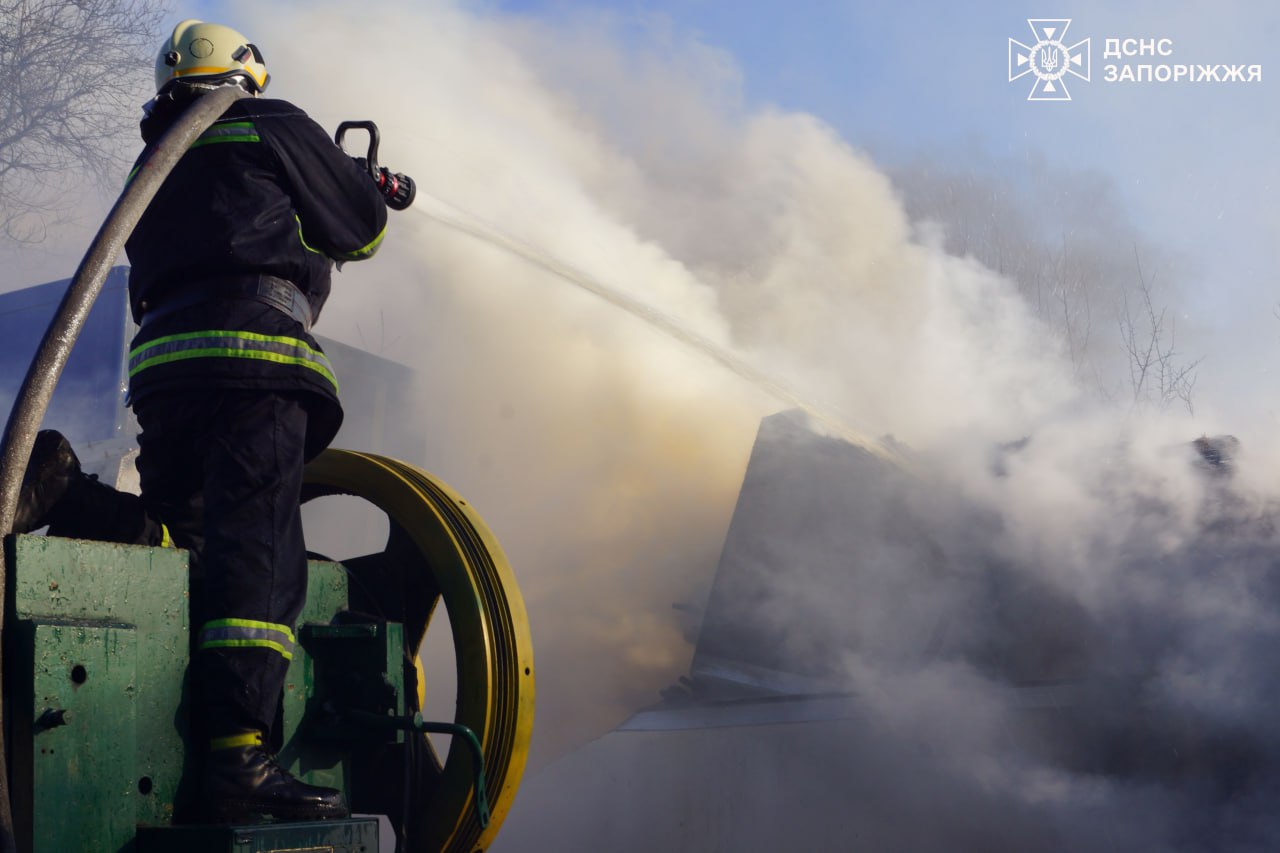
column 53, row 467
column 90, row 509
column 244, row 784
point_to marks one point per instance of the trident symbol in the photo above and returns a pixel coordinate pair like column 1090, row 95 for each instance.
column 1049, row 59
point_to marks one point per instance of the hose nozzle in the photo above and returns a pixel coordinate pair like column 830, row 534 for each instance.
column 397, row 188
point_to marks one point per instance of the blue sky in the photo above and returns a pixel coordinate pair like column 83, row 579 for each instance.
column 1191, row 163
column 909, row 75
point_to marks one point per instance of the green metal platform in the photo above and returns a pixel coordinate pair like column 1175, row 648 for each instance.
column 99, row 646
column 99, row 637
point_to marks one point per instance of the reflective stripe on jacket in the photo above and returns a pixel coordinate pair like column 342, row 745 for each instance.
column 278, row 349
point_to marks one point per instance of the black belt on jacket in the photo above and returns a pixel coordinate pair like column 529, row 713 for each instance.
column 279, row 293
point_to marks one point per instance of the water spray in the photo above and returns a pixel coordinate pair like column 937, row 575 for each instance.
column 452, row 216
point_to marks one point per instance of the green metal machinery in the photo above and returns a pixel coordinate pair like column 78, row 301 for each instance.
column 97, row 652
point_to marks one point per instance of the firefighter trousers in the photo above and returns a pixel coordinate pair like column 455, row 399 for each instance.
column 223, row 470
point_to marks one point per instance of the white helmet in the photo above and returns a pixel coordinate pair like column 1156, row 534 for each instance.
column 210, row 54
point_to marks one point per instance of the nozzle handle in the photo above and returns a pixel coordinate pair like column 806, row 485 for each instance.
column 371, row 159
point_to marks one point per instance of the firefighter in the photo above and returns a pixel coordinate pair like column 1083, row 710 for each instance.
column 230, row 268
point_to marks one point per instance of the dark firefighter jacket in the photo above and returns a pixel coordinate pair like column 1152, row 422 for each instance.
column 263, row 191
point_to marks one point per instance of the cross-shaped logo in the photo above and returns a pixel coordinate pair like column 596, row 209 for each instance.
column 1049, row 59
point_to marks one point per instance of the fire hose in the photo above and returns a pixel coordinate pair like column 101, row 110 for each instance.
column 51, row 357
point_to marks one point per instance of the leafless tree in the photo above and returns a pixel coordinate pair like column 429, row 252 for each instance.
column 72, row 76
column 1156, row 374
column 1067, row 244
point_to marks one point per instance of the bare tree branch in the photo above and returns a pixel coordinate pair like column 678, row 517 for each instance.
column 1150, row 339
column 72, row 74
column 1065, row 242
